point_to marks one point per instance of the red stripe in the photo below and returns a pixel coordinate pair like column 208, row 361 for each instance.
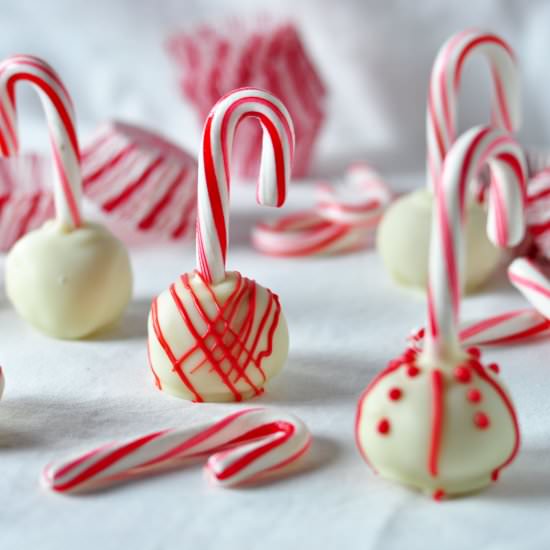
column 531, row 285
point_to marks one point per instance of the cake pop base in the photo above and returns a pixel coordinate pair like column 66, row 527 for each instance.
column 445, row 429
column 403, row 241
column 69, row 283
column 216, row 342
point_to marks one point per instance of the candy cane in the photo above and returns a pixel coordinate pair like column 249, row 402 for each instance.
column 241, row 447
column 532, row 283
column 445, row 82
column 343, row 220
column 308, row 234
column 360, row 200
column 474, row 149
column 61, row 122
column 505, row 328
column 214, row 169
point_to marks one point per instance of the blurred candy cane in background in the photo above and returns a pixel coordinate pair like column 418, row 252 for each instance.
column 343, row 220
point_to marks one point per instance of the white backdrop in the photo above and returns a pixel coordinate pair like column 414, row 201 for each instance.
column 375, row 57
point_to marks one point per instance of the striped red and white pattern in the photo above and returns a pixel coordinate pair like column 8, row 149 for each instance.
column 307, row 233
column 26, row 197
column 141, row 179
column 505, row 328
column 343, row 220
column 476, row 148
column 444, row 87
column 359, row 200
column 241, row 448
column 214, row 169
column 59, row 112
column 532, row 283
column 261, row 52
column 538, row 212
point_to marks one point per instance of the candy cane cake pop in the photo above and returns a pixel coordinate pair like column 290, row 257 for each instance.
column 438, row 419
column 404, row 233
column 68, row 278
column 216, row 335
column 242, row 447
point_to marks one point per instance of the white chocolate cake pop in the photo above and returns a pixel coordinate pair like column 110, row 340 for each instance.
column 68, row 278
column 404, row 234
column 216, row 335
column 403, row 241
column 438, row 419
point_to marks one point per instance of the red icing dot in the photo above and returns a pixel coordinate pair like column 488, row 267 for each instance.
column 481, row 420
column 413, row 371
column 463, row 374
column 383, row 426
column 394, row 394
column 474, row 395
column 494, row 367
column 474, row 352
column 438, row 494
column 410, row 354
column 495, row 474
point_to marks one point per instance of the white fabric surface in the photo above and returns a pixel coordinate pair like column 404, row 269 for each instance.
column 346, row 320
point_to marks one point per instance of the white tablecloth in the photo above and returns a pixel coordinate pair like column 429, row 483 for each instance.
column 346, row 321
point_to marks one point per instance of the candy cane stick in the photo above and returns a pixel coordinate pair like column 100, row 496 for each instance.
column 241, row 447
column 360, row 200
column 532, row 283
column 472, row 151
column 308, row 234
column 61, row 122
column 445, row 82
column 214, row 169
column 505, row 328
column 344, row 219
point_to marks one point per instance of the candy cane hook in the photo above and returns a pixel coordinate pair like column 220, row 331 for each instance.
column 61, row 123
column 445, row 83
column 241, row 447
column 214, row 169
column 472, row 151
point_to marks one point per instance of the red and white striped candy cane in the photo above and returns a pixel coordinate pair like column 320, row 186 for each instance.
column 214, row 169
column 532, row 283
column 505, row 328
column 344, row 219
column 445, row 83
column 61, row 122
column 241, row 447
column 307, row 233
column 360, row 200
column 476, row 148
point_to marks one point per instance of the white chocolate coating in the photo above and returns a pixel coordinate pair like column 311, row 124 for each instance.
column 403, row 241
column 477, row 433
column 69, row 283
column 215, row 365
